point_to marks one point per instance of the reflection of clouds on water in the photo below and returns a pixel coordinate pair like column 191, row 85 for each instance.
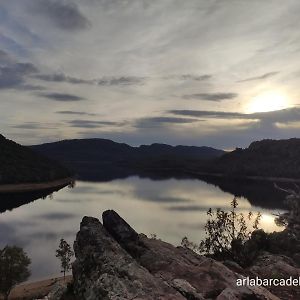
column 9, row 236
column 56, row 216
column 188, row 208
column 169, row 208
column 44, row 235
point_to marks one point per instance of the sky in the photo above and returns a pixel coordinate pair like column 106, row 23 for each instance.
column 197, row 72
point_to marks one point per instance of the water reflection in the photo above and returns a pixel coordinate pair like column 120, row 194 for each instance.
column 10, row 201
column 170, row 208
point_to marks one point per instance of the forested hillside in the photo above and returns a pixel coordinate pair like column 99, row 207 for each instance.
column 19, row 164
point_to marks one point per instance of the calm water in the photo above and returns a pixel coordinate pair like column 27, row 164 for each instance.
column 169, row 208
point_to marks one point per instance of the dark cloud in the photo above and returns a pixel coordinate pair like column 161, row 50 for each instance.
column 71, row 112
column 195, row 77
column 209, row 114
column 60, row 77
column 105, row 81
column 35, row 125
column 13, row 73
column 123, row 80
column 5, row 58
column 211, row 96
column 116, row 80
column 92, row 124
column 62, row 97
column 158, row 121
column 261, row 77
column 189, row 77
column 63, row 14
column 284, row 115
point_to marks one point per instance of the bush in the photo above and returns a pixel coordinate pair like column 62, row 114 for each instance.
column 229, row 237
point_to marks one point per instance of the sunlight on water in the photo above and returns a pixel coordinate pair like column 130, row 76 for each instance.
column 171, row 209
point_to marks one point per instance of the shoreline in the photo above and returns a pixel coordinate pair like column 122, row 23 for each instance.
column 37, row 289
column 32, row 187
column 254, row 178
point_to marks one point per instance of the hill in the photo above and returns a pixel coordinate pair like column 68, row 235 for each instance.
column 19, row 164
column 104, row 159
column 266, row 158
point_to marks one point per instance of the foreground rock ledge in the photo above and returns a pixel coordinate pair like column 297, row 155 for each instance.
column 114, row 262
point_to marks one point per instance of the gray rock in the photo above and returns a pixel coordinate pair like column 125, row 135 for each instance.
column 103, row 270
column 57, row 292
column 186, row 289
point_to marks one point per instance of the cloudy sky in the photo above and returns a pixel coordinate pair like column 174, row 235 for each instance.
column 197, row 72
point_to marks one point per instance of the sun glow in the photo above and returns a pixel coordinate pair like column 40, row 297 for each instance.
column 268, row 101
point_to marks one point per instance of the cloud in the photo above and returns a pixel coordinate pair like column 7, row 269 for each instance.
column 189, row 77
column 62, row 97
column 261, row 77
column 13, row 73
column 283, row 115
column 63, row 14
column 118, row 80
column 92, row 124
column 209, row 114
column 104, row 81
column 123, row 80
column 71, row 112
column 5, row 58
column 195, row 77
column 60, row 77
column 212, row 96
column 159, row 121
column 35, row 125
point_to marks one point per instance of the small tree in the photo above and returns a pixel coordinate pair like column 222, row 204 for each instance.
column 14, row 264
column 64, row 253
column 227, row 234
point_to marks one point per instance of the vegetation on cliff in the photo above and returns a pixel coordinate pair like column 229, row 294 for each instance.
column 266, row 158
column 19, row 164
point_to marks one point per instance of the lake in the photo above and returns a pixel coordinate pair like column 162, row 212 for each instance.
column 169, row 208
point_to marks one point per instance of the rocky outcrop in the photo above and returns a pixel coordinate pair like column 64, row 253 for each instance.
column 114, row 262
column 103, row 270
column 278, row 267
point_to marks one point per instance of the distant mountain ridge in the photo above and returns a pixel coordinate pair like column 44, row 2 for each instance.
column 19, row 164
column 90, row 157
column 102, row 146
column 102, row 159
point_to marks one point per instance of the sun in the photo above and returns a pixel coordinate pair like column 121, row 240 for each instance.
column 268, row 101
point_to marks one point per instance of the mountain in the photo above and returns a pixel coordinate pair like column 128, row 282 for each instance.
column 19, row 164
column 266, row 158
column 104, row 159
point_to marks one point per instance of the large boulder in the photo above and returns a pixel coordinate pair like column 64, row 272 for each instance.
column 103, row 270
